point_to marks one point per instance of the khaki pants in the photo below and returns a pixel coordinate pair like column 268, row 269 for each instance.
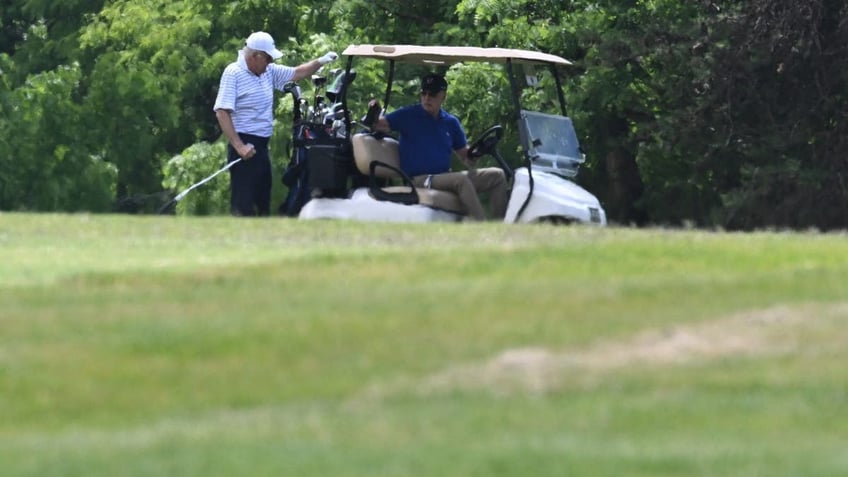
column 467, row 184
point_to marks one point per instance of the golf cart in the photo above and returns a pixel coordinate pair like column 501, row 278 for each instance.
column 542, row 190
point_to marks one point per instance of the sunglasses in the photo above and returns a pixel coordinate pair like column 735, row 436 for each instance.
column 431, row 94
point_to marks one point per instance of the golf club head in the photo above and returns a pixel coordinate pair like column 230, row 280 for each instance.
column 303, row 105
column 333, row 114
column 292, row 88
column 318, row 81
column 339, row 85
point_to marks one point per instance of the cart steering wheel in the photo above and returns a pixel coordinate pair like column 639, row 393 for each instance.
column 487, row 144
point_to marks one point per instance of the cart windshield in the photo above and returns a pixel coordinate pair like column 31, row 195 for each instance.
column 551, row 143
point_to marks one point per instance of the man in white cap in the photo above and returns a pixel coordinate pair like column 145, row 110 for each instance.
column 244, row 108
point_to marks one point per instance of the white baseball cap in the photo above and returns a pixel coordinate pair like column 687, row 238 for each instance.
column 262, row 41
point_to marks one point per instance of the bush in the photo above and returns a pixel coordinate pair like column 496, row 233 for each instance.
column 195, row 163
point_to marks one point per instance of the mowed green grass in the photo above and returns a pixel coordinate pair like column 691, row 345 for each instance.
column 216, row 346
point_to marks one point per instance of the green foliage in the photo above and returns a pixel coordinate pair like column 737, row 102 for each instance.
column 780, row 86
column 148, row 59
column 687, row 91
column 42, row 34
column 194, row 164
column 725, row 113
column 45, row 165
column 471, row 87
column 637, row 79
column 427, row 21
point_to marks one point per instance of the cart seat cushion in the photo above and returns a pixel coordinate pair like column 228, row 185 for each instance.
column 367, row 148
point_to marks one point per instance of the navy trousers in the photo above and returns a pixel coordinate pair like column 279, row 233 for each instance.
column 250, row 180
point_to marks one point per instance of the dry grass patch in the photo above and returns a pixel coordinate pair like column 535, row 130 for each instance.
column 757, row 333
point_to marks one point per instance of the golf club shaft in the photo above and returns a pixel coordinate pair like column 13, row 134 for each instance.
column 226, row 167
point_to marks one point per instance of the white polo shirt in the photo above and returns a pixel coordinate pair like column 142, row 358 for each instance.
column 249, row 97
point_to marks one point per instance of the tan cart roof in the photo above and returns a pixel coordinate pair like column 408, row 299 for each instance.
column 451, row 54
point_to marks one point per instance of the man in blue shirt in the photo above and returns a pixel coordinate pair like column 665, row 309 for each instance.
column 428, row 137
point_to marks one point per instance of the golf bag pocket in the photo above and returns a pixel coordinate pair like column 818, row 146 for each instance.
column 329, row 167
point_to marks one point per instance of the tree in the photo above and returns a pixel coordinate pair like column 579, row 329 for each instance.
column 711, row 112
column 42, row 171
column 780, row 91
column 41, row 34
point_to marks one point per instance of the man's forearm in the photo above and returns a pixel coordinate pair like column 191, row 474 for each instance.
column 306, row 70
column 310, row 67
column 225, row 120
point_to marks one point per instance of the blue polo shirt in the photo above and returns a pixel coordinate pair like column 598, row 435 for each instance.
column 426, row 143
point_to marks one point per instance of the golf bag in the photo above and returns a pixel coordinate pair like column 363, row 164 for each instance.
column 319, row 167
column 296, row 175
column 322, row 158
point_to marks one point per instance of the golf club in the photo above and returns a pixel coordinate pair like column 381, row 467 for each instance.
column 182, row 194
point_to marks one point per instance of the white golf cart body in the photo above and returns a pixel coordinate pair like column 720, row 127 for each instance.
column 542, row 190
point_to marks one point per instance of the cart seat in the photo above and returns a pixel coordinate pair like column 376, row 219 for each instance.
column 367, row 149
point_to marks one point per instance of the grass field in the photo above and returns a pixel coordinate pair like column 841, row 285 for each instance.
column 220, row 347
